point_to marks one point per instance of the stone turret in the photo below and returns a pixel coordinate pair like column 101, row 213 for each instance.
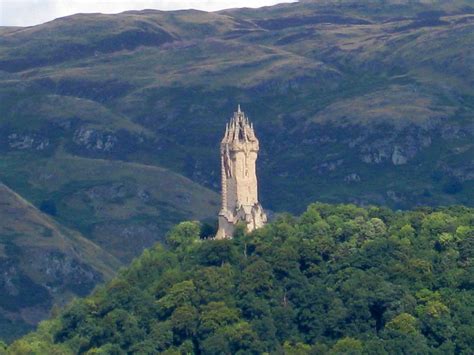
column 239, row 150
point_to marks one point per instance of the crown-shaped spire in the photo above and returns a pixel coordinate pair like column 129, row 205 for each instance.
column 239, row 129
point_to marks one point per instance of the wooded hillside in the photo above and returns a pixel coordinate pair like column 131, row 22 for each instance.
column 337, row 279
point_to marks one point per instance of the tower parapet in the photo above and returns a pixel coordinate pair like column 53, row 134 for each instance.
column 239, row 151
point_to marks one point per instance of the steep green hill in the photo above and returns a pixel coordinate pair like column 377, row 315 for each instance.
column 368, row 102
column 123, row 207
column 41, row 264
column 337, row 280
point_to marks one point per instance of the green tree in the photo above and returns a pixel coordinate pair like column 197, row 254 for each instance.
column 214, row 316
column 184, row 321
column 161, row 335
column 180, row 294
column 217, row 253
column 347, row 346
column 407, row 231
column 404, row 323
column 184, row 235
column 296, row 348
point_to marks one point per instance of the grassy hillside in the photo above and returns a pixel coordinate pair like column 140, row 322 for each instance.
column 41, row 264
column 123, row 207
column 368, row 103
column 336, row 280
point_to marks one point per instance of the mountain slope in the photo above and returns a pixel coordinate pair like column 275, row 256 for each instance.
column 123, row 207
column 41, row 264
column 338, row 279
column 370, row 103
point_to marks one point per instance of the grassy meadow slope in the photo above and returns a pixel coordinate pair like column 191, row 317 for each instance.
column 352, row 102
column 123, row 207
column 41, row 264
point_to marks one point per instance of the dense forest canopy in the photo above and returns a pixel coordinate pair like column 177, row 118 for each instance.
column 337, row 279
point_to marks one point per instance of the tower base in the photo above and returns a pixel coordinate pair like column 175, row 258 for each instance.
column 254, row 217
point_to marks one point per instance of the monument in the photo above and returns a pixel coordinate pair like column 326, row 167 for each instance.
column 239, row 150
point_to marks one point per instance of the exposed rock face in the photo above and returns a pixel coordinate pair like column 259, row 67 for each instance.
column 65, row 272
column 353, row 177
column 95, row 140
column 397, row 157
column 239, row 149
column 328, row 166
column 19, row 141
column 399, row 147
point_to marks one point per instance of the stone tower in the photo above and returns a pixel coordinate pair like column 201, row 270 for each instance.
column 239, row 149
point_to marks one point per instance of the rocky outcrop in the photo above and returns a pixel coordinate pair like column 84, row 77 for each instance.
column 397, row 148
column 64, row 272
column 353, row 177
column 95, row 140
column 328, row 166
column 397, row 156
column 23, row 141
